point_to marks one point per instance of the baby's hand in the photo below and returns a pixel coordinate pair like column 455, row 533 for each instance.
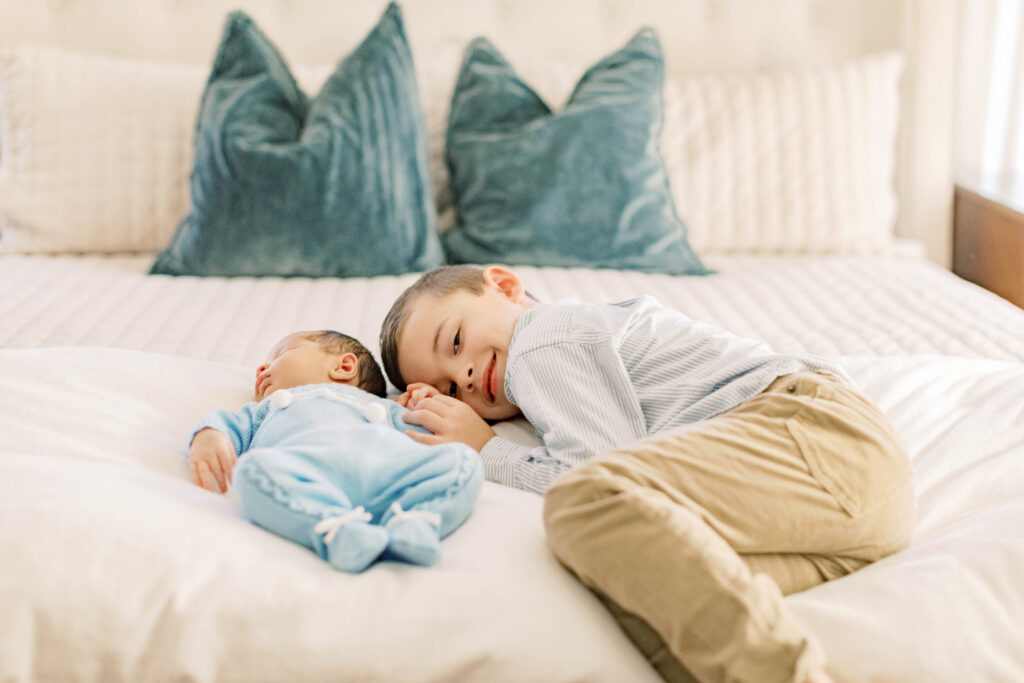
column 450, row 420
column 414, row 395
column 211, row 460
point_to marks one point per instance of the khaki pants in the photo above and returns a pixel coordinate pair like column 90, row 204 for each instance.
column 692, row 536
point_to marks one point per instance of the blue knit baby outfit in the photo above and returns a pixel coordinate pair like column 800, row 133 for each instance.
column 328, row 466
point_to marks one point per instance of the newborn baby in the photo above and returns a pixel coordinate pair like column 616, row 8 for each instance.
column 322, row 459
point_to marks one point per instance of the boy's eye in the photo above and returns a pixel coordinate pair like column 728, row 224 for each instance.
column 457, row 342
column 451, row 389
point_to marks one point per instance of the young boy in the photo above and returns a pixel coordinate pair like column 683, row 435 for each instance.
column 721, row 463
column 325, row 461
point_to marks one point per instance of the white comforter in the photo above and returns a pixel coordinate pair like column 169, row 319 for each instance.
column 115, row 568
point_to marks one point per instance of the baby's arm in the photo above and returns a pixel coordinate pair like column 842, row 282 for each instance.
column 218, row 440
column 211, row 459
column 415, row 394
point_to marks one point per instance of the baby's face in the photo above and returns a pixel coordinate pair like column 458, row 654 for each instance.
column 459, row 344
column 292, row 362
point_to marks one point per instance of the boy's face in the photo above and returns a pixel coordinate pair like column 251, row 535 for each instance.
column 296, row 360
column 459, row 343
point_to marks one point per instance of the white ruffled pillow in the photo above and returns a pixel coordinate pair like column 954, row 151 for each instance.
column 95, row 151
column 787, row 161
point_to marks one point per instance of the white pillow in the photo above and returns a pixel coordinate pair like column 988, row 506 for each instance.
column 786, row 161
column 95, row 151
column 794, row 161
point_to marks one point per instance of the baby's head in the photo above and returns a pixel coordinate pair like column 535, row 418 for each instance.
column 318, row 357
column 451, row 329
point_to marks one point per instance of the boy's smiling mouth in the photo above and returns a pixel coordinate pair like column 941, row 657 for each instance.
column 490, row 381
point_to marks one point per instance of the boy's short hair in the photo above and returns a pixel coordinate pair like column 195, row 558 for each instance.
column 440, row 281
column 371, row 379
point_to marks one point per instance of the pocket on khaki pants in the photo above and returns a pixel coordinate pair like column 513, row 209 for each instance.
column 851, row 450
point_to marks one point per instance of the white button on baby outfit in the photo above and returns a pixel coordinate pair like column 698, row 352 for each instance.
column 376, row 413
column 281, row 398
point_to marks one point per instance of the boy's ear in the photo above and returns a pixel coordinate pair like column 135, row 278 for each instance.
column 507, row 282
column 345, row 368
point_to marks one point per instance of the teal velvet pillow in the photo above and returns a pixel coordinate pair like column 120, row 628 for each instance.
column 585, row 186
column 285, row 185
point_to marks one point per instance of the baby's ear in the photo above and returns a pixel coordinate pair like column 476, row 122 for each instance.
column 345, row 368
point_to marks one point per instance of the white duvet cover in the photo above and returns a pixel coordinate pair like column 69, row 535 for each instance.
column 115, row 568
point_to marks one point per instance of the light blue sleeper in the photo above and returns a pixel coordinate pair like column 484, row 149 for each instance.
column 328, row 466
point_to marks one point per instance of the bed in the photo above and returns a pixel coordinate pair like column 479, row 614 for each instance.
column 116, row 568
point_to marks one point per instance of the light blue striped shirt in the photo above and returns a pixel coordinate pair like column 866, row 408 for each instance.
column 593, row 377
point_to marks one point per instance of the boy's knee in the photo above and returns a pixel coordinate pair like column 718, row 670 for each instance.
column 577, row 495
column 893, row 523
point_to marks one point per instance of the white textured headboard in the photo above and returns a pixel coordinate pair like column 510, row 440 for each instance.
column 697, row 36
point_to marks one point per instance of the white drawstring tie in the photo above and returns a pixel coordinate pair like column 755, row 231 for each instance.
column 400, row 515
column 329, row 526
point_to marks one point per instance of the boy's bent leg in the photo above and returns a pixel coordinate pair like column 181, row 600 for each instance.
column 649, row 643
column 796, row 572
column 658, row 560
column 806, row 482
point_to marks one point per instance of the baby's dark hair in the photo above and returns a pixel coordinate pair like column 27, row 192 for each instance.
column 371, row 379
column 440, row 281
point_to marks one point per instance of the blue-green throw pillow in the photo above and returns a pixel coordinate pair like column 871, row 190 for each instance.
column 585, row 186
column 285, row 185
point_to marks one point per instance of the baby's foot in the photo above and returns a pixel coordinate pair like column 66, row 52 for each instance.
column 415, row 541
column 352, row 544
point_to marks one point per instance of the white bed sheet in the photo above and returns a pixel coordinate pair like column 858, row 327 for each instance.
column 117, row 569
column 829, row 306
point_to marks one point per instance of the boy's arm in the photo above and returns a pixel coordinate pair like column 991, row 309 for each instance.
column 577, row 395
column 579, row 398
column 522, row 467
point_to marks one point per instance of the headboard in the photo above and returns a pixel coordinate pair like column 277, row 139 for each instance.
column 697, row 36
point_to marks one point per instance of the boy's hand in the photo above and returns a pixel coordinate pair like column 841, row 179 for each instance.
column 414, row 395
column 211, row 460
column 450, row 420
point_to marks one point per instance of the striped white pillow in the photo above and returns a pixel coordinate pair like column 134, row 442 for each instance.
column 786, row 161
column 95, row 151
